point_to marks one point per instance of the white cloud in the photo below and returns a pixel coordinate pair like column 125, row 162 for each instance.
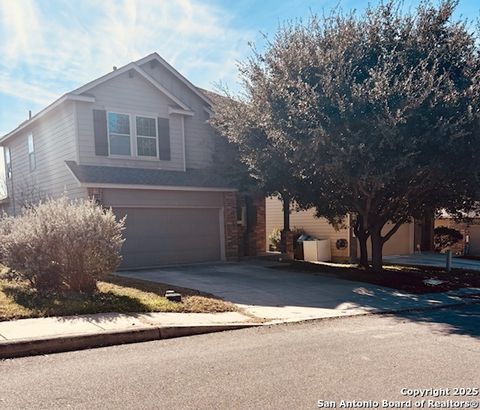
column 49, row 48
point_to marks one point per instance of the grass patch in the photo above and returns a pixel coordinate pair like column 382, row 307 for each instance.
column 115, row 294
column 402, row 277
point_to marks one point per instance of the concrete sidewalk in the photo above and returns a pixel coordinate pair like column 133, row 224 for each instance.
column 56, row 334
column 27, row 337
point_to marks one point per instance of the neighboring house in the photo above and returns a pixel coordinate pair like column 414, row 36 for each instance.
column 343, row 243
column 137, row 140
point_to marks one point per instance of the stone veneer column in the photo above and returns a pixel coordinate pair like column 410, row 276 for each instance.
column 258, row 237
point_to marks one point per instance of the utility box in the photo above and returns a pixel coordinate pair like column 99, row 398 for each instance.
column 317, row 250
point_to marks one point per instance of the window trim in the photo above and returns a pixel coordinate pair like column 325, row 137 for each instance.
column 129, row 135
column 146, row 136
column 31, row 153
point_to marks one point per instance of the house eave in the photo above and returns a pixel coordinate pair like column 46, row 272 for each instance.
column 156, row 56
column 46, row 110
column 139, row 70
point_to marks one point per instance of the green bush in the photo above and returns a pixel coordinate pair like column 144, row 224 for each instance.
column 62, row 244
column 444, row 237
column 275, row 239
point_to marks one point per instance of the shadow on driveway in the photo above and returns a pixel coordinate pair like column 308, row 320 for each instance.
column 290, row 296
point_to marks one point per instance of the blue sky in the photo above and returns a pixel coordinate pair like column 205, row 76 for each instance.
column 50, row 47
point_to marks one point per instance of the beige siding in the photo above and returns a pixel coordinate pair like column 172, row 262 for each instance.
column 154, row 198
column 54, row 141
column 199, row 136
column 134, row 96
column 401, row 243
column 305, row 220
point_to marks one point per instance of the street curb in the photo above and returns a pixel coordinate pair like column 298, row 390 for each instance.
column 47, row 345
column 58, row 344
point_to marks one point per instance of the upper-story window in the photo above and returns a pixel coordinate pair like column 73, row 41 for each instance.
column 31, row 153
column 146, row 128
column 119, row 133
column 8, row 163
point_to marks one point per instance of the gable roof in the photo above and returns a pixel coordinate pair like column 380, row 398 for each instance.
column 124, row 69
column 46, row 110
column 156, row 57
column 75, row 95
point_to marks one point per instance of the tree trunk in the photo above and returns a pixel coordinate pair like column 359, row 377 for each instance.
column 377, row 250
column 362, row 242
column 362, row 236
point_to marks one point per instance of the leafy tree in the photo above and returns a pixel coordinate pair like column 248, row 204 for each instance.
column 377, row 115
column 249, row 157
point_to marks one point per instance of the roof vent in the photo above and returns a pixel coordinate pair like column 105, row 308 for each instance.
column 29, row 114
column 114, row 68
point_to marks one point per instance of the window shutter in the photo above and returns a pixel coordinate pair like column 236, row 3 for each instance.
column 100, row 132
column 164, row 138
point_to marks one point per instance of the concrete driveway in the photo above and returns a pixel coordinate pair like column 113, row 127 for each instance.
column 273, row 294
column 432, row 259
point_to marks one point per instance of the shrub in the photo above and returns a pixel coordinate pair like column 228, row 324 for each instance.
column 275, row 239
column 62, row 244
column 6, row 224
column 444, row 237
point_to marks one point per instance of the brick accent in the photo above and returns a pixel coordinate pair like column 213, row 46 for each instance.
column 287, row 244
column 231, row 228
column 96, row 194
column 257, row 237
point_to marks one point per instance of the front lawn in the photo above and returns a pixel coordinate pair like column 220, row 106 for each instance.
column 115, row 294
column 402, row 277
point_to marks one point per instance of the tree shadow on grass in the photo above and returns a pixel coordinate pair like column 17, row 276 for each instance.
column 40, row 303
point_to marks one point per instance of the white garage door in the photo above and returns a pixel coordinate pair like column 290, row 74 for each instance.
column 160, row 236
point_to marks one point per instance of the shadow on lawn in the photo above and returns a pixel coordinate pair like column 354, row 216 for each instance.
column 65, row 304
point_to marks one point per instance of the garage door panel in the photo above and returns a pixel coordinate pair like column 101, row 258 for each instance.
column 159, row 236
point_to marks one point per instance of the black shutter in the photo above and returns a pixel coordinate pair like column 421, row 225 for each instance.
column 100, row 132
column 164, row 138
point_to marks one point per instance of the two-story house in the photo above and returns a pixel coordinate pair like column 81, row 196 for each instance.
column 138, row 141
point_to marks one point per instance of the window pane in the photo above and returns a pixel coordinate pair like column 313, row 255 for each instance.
column 118, row 123
column 119, row 144
column 7, row 155
column 146, row 127
column 147, row 147
column 30, row 144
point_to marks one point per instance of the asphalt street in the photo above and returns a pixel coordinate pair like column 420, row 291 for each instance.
column 369, row 358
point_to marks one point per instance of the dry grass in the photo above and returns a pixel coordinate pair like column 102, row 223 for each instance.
column 116, row 294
